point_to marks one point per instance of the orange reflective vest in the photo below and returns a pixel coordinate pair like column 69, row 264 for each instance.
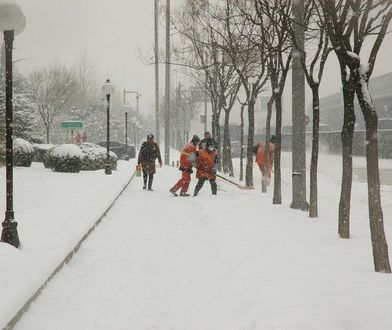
column 260, row 155
column 188, row 156
column 205, row 164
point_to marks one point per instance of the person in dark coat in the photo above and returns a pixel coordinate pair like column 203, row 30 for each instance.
column 149, row 152
column 208, row 140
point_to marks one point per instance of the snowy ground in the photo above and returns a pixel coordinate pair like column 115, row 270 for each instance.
column 232, row 261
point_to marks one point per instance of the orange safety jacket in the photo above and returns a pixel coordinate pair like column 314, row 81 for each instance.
column 260, row 155
column 205, row 164
column 188, row 156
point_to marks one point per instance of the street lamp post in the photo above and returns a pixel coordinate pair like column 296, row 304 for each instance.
column 12, row 22
column 107, row 90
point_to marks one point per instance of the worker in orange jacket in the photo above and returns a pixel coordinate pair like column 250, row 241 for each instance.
column 261, row 156
column 187, row 157
column 206, row 164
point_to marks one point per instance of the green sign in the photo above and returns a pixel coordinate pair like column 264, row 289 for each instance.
column 72, row 124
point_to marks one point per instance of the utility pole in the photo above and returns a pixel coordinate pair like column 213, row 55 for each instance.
column 156, row 50
column 181, row 107
column 298, row 113
column 205, row 104
column 167, row 86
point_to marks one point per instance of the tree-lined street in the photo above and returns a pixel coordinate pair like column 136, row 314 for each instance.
column 183, row 164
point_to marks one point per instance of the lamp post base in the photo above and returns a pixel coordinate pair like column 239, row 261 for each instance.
column 108, row 170
column 10, row 233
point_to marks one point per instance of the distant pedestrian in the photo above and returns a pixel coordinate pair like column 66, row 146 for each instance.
column 78, row 138
column 207, row 140
column 259, row 150
column 149, row 152
column 84, row 137
column 206, row 164
column 187, row 157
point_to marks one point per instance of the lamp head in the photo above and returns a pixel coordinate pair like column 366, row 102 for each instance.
column 107, row 87
column 11, row 17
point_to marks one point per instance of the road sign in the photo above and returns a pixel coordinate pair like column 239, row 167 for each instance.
column 72, row 124
column 306, row 119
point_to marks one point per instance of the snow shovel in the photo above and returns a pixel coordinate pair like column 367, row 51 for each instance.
column 235, row 183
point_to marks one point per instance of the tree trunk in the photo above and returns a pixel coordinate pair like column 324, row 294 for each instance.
column 267, row 136
column 313, row 209
column 242, row 143
column 219, row 143
column 213, row 117
column 226, row 159
column 277, row 198
column 47, row 134
column 251, row 138
column 216, row 133
column 347, row 147
column 379, row 242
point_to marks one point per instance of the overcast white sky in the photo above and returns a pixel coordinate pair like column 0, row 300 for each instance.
column 113, row 31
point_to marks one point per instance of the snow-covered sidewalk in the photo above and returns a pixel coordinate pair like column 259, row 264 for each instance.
column 232, row 261
column 53, row 211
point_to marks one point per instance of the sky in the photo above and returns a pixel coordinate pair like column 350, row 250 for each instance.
column 112, row 32
column 115, row 33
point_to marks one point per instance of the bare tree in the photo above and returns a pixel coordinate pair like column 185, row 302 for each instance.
column 349, row 23
column 203, row 51
column 87, row 86
column 52, row 89
column 277, row 45
column 264, row 181
column 248, row 58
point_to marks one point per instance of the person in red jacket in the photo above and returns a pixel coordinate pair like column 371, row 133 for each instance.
column 188, row 156
column 149, row 152
column 78, row 138
column 206, row 164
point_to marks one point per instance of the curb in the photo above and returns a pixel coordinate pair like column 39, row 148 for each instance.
column 10, row 325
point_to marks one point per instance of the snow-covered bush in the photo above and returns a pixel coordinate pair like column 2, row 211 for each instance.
column 23, row 153
column 94, row 157
column 40, row 150
column 64, row 158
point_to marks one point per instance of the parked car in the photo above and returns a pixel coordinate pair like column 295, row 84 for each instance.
column 120, row 149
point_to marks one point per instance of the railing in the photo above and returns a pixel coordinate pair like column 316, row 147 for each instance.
column 332, row 141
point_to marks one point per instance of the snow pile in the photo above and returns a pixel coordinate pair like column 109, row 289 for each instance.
column 67, row 150
column 23, row 152
column 44, row 147
column 21, row 145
